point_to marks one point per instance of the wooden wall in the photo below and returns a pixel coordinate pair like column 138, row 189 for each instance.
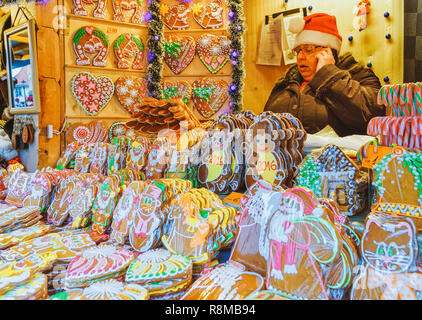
column 371, row 45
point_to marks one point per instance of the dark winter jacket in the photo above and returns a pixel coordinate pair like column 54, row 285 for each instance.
column 343, row 96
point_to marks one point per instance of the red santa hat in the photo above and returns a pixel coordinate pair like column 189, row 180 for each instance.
column 317, row 29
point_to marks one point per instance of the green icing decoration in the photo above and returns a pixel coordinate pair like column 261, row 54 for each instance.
column 139, row 42
column 170, row 92
column 119, row 41
column 101, row 35
column 78, row 35
column 204, row 93
column 172, row 48
column 309, row 176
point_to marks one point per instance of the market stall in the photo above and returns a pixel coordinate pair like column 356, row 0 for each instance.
column 162, row 159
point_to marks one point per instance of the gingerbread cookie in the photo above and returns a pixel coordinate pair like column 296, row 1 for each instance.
column 137, row 154
column 67, row 155
column 89, row 40
column 389, row 250
column 120, row 5
column 251, row 248
column 157, row 159
column 213, row 51
column 99, row 11
column 334, row 175
column 209, row 16
column 127, row 47
column 12, row 238
column 175, row 275
column 179, row 52
column 122, row 215
column 97, row 263
column 397, row 184
column 225, row 282
column 17, row 188
column 35, row 288
column 296, row 254
column 130, row 91
column 180, row 89
column 209, row 96
column 92, row 93
column 175, row 17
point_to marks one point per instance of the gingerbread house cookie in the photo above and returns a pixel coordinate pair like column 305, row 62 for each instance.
column 398, row 185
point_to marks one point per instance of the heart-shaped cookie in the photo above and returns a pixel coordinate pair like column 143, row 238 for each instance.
column 214, row 51
column 130, row 92
column 209, row 16
column 179, row 52
column 175, row 17
column 92, row 93
column 209, row 95
column 180, row 89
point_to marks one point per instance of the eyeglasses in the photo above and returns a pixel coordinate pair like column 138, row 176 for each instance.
column 307, row 50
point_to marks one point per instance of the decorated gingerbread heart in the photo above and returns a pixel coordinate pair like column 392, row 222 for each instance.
column 130, row 91
column 209, row 95
column 92, row 93
column 180, row 89
column 127, row 47
column 179, row 52
column 175, row 17
column 214, row 51
column 209, row 16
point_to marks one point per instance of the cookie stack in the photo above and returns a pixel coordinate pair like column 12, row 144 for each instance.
column 17, row 218
column 274, row 149
column 109, row 289
column 155, row 115
column 199, row 225
column 34, row 288
column 97, row 263
column 164, row 274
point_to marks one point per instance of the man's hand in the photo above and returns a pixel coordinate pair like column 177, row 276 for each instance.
column 324, row 57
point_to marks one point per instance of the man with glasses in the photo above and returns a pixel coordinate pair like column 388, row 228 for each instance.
column 322, row 88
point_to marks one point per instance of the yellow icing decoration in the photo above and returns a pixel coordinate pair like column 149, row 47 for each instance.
column 215, row 166
column 267, row 166
column 197, row 8
column 164, row 9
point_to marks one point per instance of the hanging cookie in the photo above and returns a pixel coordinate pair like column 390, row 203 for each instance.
column 127, row 47
column 214, row 51
column 179, row 52
column 180, row 89
column 89, row 40
column 92, row 93
column 117, row 129
column 209, row 16
column 95, row 131
column 120, row 5
column 78, row 8
column 175, row 17
column 130, row 92
column 209, row 96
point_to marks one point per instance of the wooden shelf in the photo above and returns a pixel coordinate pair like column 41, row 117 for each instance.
column 209, row 75
column 166, row 30
column 107, row 21
column 75, row 66
column 100, row 117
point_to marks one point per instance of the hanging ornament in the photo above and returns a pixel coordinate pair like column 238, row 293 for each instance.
column 360, row 22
